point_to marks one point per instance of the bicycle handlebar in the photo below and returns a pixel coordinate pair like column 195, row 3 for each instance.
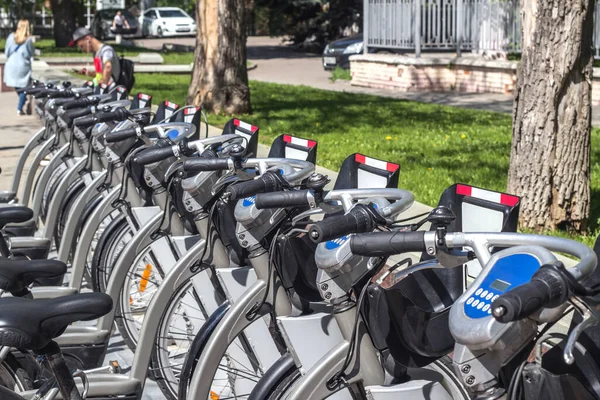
column 123, row 134
column 117, row 115
column 292, row 198
column 270, row 181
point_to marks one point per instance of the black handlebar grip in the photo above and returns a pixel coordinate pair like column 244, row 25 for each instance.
column 120, row 135
column 547, row 289
column 44, row 93
column 101, row 117
column 358, row 219
column 82, row 112
column 293, row 198
column 268, row 182
column 86, row 121
column 204, row 164
column 31, row 90
column 386, row 244
column 153, row 155
column 70, row 115
column 61, row 94
column 62, row 102
column 77, row 104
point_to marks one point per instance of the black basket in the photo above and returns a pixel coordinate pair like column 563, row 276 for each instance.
column 411, row 318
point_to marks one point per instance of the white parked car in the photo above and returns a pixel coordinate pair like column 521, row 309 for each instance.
column 167, row 21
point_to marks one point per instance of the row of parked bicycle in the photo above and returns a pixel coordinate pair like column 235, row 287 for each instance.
column 232, row 276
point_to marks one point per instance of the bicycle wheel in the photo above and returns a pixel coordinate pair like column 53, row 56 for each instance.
column 112, row 241
column 179, row 325
column 247, row 358
column 14, row 376
column 95, row 240
column 50, row 187
column 143, row 280
column 72, row 195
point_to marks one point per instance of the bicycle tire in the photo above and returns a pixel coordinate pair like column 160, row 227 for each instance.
column 50, row 188
column 239, row 368
column 281, row 377
column 73, row 192
column 104, row 256
column 14, row 376
column 196, row 348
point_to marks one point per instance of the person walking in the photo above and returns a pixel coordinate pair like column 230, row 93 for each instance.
column 106, row 62
column 117, row 27
column 19, row 51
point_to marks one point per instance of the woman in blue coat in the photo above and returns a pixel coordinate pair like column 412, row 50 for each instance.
column 19, row 52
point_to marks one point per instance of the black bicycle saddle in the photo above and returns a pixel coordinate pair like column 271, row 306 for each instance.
column 17, row 275
column 32, row 324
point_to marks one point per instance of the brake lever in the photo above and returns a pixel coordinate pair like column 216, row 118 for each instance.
column 292, row 233
column 305, row 214
column 225, row 180
column 454, row 258
column 591, row 317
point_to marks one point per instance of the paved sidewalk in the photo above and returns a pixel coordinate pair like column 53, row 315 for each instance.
column 15, row 130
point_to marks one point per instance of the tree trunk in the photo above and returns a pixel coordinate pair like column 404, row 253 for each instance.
column 64, row 21
column 220, row 76
column 550, row 155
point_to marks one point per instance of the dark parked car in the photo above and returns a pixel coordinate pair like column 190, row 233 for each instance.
column 103, row 20
column 338, row 52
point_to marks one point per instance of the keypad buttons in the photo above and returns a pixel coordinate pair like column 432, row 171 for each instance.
column 495, row 297
column 480, row 305
column 478, row 292
column 475, row 303
column 489, row 296
column 485, row 293
column 470, row 300
column 486, row 307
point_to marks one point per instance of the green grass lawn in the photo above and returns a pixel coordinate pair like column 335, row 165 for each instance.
column 178, row 58
column 340, row 74
column 435, row 145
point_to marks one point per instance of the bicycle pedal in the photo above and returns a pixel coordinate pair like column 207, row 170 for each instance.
column 114, row 367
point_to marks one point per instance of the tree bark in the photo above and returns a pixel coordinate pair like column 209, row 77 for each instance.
column 63, row 12
column 220, row 76
column 550, row 154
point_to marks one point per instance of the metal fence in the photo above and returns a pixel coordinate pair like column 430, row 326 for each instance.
column 473, row 25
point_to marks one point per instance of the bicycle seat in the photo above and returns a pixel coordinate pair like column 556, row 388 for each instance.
column 7, row 394
column 32, row 324
column 17, row 275
column 14, row 214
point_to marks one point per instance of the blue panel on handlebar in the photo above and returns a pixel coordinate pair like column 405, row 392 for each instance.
column 506, row 274
column 172, row 134
column 335, row 243
column 248, row 201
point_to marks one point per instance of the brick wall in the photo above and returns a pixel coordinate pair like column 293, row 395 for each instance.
column 469, row 75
